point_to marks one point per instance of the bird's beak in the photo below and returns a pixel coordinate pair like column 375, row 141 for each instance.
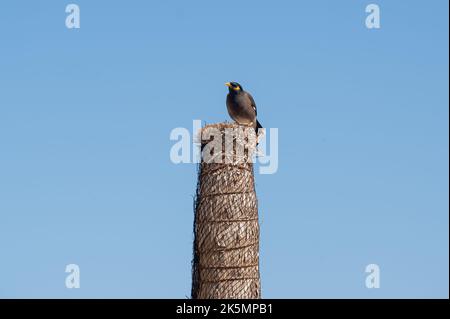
column 228, row 84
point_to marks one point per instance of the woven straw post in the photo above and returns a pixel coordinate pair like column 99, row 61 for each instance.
column 226, row 227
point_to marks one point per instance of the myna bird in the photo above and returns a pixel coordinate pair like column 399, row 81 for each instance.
column 241, row 106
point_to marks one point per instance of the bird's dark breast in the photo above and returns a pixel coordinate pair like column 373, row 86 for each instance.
column 240, row 108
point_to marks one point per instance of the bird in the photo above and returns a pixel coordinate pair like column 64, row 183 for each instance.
column 241, row 106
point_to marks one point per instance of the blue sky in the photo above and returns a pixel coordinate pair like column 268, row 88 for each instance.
column 85, row 118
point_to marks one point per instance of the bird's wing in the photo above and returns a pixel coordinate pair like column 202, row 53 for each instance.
column 252, row 101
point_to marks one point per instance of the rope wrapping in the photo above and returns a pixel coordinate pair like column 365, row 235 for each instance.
column 226, row 226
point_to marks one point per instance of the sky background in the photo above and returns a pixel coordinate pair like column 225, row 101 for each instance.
column 85, row 119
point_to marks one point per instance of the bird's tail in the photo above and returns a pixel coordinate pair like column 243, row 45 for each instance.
column 258, row 126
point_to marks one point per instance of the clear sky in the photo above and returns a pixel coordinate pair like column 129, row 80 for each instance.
column 85, row 118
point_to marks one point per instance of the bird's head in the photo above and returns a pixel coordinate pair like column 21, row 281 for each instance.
column 234, row 87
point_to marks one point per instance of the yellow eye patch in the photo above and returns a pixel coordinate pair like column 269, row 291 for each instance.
column 235, row 88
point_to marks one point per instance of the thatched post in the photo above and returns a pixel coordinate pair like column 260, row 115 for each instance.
column 226, row 227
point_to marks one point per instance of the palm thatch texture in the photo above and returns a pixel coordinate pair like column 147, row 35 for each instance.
column 226, row 227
